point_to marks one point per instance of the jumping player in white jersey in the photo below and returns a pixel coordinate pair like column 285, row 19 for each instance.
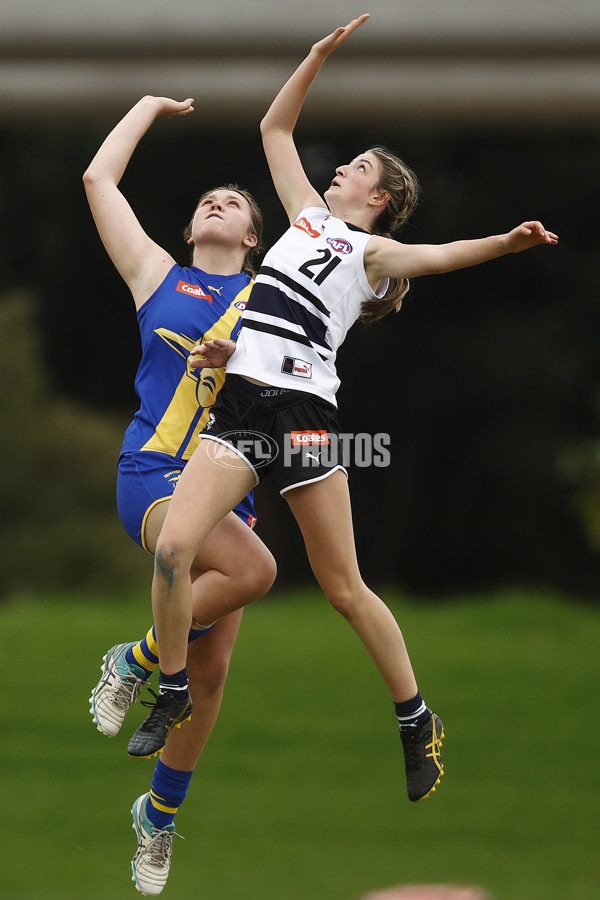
column 330, row 268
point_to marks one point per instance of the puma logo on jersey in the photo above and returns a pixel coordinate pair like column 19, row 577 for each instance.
column 299, row 367
column 304, row 225
column 216, row 290
column 194, row 290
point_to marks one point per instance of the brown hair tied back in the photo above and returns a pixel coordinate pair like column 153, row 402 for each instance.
column 402, row 185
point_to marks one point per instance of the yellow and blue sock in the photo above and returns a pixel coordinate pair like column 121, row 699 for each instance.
column 168, row 791
column 412, row 713
column 145, row 653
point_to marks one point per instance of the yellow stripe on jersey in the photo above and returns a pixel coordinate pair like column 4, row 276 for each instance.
column 196, row 388
column 222, row 328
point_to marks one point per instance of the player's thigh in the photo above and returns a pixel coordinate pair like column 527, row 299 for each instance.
column 324, row 515
column 153, row 523
column 231, row 547
column 207, row 490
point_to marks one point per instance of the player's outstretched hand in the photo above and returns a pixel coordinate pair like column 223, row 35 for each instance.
column 330, row 43
column 529, row 234
column 211, row 354
column 169, row 108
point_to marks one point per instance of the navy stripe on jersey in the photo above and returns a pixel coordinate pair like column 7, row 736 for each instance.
column 268, row 299
column 295, row 286
column 256, row 325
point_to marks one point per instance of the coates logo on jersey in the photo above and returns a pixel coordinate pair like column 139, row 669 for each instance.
column 304, row 225
column 339, row 245
column 301, row 438
column 194, row 290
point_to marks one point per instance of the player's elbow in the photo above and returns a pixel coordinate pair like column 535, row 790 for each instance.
column 88, row 177
column 91, row 177
column 271, row 131
column 268, row 123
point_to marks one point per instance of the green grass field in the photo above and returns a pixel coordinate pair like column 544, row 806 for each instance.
column 300, row 794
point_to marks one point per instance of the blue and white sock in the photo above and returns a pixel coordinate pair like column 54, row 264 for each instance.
column 176, row 684
column 412, row 713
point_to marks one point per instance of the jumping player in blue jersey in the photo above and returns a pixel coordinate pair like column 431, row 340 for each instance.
column 176, row 306
column 331, row 267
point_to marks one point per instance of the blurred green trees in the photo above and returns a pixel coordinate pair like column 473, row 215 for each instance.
column 59, row 525
column 579, row 466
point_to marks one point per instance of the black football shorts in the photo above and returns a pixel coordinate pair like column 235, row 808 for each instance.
column 288, row 436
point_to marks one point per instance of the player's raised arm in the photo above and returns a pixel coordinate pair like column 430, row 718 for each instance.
column 292, row 186
column 141, row 263
column 385, row 258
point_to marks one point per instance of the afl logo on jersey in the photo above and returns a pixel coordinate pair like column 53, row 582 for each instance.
column 240, row 304
column 339, row 245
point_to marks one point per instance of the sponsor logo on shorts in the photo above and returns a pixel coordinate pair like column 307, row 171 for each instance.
column 328, row 450
column 339, row 245
column 313, row 449
column 298, row 367
column 194, row 290
column 304, row 225
column 301, row 438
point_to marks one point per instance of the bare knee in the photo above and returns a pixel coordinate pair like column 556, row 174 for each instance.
column 253, row 575
column 342, row 598
column 171, row 561
column 348, row 594
column 260, row 575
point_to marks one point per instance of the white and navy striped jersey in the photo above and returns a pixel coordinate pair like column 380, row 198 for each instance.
column 307, row 294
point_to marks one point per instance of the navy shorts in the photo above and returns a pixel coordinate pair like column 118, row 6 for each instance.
column 288, row 436
column 147, row 478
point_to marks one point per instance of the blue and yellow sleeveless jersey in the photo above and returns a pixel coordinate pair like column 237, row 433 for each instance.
column 189, row 306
